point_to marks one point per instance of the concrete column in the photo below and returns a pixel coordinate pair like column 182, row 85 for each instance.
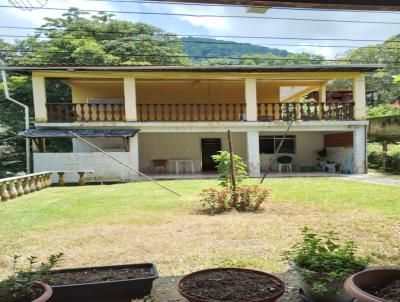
column 253, row 153
column 321, row 101
column 359, row 97
column 39, row 98
column 134, row 154
column 251, row 99
column 130, row 99
column 360, row 150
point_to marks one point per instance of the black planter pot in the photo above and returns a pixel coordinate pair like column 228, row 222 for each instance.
column 105, row 291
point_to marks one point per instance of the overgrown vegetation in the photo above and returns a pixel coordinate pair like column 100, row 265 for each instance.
column 375, row 156
column 21, row 286
column 383, row 110
column 324, row 262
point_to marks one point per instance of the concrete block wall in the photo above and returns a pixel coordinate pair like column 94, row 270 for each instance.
column 105, row 168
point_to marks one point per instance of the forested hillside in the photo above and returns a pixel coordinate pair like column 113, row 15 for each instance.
column 199, row 49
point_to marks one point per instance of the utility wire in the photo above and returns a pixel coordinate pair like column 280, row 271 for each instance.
column 58, row 30
column 213, row 16
column 217, row 42
column 205, row 57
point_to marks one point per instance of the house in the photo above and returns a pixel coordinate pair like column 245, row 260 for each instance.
column 156, row 118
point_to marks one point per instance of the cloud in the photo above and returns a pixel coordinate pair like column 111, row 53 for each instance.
column 213, row 24
column 36, row 16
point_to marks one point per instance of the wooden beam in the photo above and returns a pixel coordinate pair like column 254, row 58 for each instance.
column 328, row 4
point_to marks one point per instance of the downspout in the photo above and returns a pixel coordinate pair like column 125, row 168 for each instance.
column 26, row 109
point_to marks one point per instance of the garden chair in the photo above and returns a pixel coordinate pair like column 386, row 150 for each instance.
column 285, row 162
column 159, row 163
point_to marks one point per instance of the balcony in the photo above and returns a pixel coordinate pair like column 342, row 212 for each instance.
column 206, row 112
column 309, row 111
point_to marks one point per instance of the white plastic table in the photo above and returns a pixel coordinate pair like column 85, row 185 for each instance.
column 176, row 162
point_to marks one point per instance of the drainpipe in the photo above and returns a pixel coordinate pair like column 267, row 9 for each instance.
column 26, row 109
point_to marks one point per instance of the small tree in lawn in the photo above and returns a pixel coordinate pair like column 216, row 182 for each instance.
column 232, row 171
column 223, row 161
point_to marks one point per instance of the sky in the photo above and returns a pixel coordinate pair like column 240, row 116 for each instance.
column 226, row 26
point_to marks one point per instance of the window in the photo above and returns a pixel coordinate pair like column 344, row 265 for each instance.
column 270, row 144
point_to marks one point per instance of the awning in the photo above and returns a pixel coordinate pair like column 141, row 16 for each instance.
column 55, row 133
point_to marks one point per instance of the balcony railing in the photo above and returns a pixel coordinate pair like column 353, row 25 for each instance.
column 191, row 112
column 78, row 112
column 305, row 111
column 84, row 112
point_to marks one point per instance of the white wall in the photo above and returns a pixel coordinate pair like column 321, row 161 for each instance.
column 307, row 146
column 182, row 146
column 105, row 168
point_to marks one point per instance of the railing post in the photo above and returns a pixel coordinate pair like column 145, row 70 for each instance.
column 4, row 191
column 32, row 183
column 26, row 185
column 11, row 189
column 38, row 185
column 19, row 187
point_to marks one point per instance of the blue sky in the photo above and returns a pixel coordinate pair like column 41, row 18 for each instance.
column 228, row 26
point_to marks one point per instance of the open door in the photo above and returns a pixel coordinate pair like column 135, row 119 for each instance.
column 209, row 147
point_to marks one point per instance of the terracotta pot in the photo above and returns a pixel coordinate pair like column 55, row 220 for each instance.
column 47, row 292
column 336, row 286
column 190, row 298
column 357, row 283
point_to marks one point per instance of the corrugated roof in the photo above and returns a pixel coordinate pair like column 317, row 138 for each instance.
column 227, row 68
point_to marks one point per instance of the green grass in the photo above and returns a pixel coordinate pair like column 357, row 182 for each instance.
column 141, row 221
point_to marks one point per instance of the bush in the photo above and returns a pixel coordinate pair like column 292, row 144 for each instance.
column 245, row 199
column 383, row 110
column 321, row 259
column 375, row 157
column 20, row 286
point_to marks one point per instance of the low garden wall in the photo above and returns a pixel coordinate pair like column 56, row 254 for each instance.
column 13, row 187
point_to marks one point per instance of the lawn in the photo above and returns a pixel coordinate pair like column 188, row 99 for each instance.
column 140, row 222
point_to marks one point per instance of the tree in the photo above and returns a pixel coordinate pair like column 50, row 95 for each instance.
column 75, row 38
column 388, row 53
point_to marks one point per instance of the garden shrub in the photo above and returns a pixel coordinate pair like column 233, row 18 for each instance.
column 222, row 161
column 323, row 259
column 383, row 110
column 245, row 199
column 375, row 157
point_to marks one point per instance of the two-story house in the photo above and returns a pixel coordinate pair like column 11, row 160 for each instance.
column 156, row 118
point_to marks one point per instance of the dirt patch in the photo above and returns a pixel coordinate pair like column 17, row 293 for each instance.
column 389, row 293
column 231, row 285
column 98, row 275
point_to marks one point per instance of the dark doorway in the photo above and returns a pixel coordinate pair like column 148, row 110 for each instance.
column 209, row 147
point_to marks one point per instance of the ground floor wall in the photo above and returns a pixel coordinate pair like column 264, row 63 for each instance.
column 170, row 146
column 147, row 146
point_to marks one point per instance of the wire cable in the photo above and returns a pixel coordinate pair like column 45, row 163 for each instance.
column 213, row 16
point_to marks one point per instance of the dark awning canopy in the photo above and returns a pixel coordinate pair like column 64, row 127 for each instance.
column 54, row 133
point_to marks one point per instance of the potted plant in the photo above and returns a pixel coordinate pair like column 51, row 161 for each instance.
column 375, row 285
column 231, row 284
column 323, row 264
column 28, row 284
column 117, row 282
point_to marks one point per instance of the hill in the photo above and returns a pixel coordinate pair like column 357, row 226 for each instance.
column 206, row 47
